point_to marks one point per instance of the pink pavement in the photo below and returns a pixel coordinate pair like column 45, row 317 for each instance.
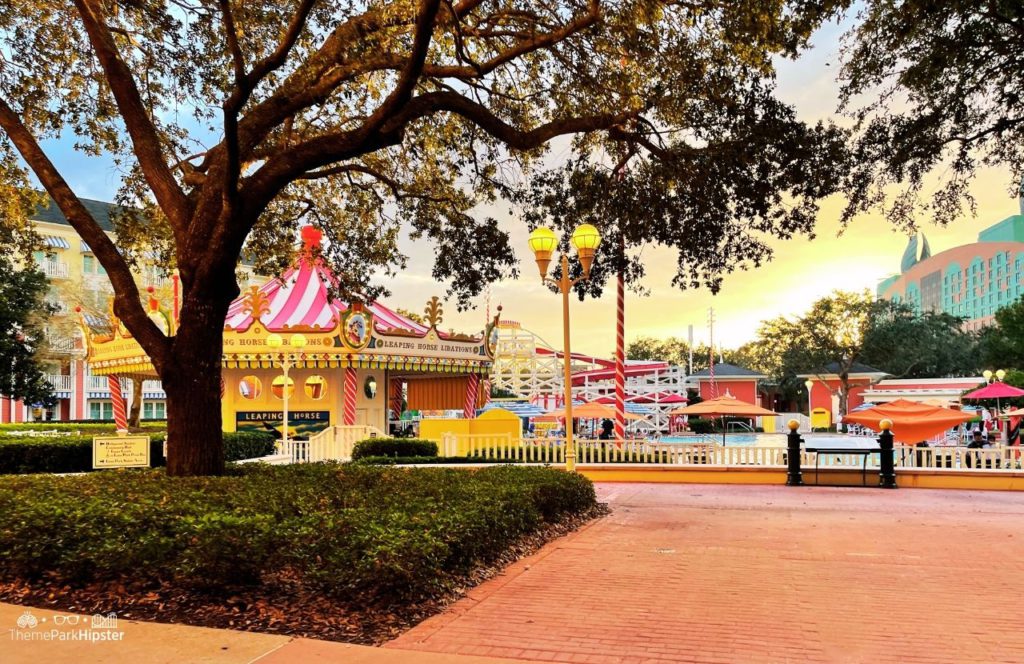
column 701, row 573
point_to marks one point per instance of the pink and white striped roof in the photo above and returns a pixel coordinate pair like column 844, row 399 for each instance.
column 299, row 300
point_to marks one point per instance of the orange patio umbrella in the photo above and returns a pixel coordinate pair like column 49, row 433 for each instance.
column 592, row 411
column 724, row 406
column 912, row 421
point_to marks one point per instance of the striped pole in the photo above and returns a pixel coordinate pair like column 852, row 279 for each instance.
column 396, row 398
column 117, row 399
column 472, row 387
column 620, row 361
column 349, row 412
column 486, row 397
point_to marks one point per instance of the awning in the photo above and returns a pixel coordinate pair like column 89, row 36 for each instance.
column 85, row 248
column 55, row 242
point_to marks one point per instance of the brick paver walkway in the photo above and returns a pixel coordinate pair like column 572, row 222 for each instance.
column 750, row 574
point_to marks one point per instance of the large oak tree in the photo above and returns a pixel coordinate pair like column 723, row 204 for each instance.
column 234, row 122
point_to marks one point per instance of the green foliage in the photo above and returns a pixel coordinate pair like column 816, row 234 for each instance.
column 937, row 89
column 77, row 426
column 907, row 344
column 73, row 453
column 409, row 460
column 23, row 313
column 701, row 425
column 1003, row 343
column 365, row 533
column 240, row 445
column 394, row 447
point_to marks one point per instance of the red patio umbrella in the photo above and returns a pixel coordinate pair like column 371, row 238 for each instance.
column 996, row 390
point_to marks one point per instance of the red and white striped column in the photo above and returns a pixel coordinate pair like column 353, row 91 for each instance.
column 349, row 410
column 620, row 360
column 472, row 388
column 117, row 399
column 711, row 373
column 396, row 398
column 485, row 398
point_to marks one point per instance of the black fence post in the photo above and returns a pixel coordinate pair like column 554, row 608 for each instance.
column 887, row 476
column 793, row 475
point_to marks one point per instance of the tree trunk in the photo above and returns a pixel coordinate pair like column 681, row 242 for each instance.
column 135, row 416
column 191, row 379
column 844, row 397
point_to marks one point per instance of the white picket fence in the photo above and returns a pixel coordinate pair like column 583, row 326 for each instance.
column 497, row 448
column 334, row 443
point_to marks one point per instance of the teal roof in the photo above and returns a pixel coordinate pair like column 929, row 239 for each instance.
column 100, row 211
column 917, row 250
column 1010, row 229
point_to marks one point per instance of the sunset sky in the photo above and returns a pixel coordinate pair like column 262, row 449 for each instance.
column 801, row 270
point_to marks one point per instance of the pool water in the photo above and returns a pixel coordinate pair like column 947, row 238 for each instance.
column 733, row 439
column 777, row 440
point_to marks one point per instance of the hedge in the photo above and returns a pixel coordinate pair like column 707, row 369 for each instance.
column 394, row 447
column 78, row 426
column 73, row 454
column 411, row 460
column 358, row 532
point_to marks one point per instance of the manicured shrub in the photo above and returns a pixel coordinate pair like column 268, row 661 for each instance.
column 700, row 425
column 240, row 445
column 394, row 447
column 77, row 426
column 73, row 454
column 412, row 460
column 364, row 533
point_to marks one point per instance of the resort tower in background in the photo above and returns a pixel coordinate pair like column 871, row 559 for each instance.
column 972, row 281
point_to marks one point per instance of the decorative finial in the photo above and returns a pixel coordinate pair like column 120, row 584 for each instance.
column 434, row 312
column 793, row 424
column 311, row 237
column 885, row 424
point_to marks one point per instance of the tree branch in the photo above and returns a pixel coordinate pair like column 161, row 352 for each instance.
column 145, row 140
column 423, row 32
column 127, row 302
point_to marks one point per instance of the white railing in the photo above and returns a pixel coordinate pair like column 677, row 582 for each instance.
column 98, row 383
column 54, row 269
column 497, row 448
column 334, row 443
column 59, row 382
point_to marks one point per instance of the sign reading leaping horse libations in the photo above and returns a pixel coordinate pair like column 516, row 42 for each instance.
column 120, row 452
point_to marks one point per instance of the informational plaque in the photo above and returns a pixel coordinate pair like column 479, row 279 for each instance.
column 120, row 452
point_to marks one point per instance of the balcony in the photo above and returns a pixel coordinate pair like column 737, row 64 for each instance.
column 60, row 383
column 99, row 383
column 59, row 343
column 54, row 269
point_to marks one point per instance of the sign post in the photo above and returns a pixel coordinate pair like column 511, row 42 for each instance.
column 120, row 452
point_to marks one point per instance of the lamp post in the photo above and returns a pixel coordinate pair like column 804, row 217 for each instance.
column 542, row 242
column 298, row 342
column 810, row 407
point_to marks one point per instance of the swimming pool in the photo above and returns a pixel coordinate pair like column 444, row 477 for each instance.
column 776, row 440
column 733, row 439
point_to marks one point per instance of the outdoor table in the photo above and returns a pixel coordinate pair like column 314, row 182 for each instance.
column 863, row 451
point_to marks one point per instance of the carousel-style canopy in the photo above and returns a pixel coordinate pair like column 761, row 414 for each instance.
column 337, row 334
column 300, row 301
